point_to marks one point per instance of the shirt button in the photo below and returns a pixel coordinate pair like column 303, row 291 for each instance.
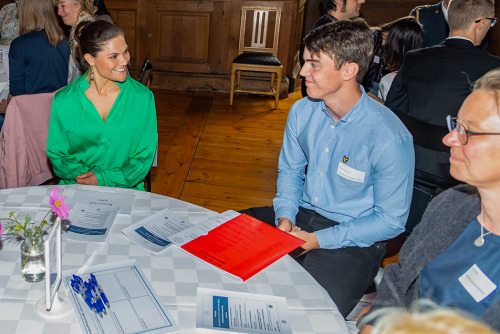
column 332, row 126
column 320, row 173
column 327, row 149
column 316, row 199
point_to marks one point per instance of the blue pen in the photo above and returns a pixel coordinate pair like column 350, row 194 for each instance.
column 85, row 291
column 96, row 284
column 77, row 288
column 98, row 304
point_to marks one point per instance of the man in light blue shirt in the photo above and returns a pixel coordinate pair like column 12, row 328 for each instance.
column 345, row 168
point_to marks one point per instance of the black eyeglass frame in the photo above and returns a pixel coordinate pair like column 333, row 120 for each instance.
column 492, row 19
column 453, row 124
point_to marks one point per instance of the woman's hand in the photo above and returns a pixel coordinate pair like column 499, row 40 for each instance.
column 3, row 106
column 367, row 329
column 88, row 178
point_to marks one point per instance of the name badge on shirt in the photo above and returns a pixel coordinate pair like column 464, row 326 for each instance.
column 477, row 284
column 350, row 173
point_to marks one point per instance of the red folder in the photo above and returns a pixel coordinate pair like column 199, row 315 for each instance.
column 242, row 246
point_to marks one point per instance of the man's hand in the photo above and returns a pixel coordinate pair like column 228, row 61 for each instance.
column 309, row 238
column 286, row 225
column 366, row 329
column 88, row 178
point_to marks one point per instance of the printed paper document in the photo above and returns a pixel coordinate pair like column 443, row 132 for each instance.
column 134, row 305
column 153, row 232
column 241, row 312
column 90, row 223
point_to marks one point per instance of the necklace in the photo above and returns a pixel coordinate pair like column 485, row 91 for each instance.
column 480, row 240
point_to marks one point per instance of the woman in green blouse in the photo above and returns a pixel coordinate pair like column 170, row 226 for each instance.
column 103, row 125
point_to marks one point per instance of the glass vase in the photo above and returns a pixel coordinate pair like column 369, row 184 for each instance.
column 33, row 259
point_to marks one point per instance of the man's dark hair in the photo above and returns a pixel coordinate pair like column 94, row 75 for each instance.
column 349, row 41
column 331, row 5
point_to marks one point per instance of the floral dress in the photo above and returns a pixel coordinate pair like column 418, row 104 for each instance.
column 8, row 23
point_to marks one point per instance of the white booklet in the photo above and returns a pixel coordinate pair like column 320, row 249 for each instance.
column 134, row 305
column 189, row 234
column 102, row 199
column 153, row 232
column 89, row 223
column 241, row 312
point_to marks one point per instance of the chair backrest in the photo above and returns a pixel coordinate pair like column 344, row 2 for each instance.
column 424, row 134
column 145, row 75
column 259, row 30
column 23, row 157
column 145, row 79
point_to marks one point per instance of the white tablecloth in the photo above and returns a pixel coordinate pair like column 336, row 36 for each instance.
column 174, row 275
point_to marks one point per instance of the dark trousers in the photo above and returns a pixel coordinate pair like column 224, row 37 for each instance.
column 345, row 273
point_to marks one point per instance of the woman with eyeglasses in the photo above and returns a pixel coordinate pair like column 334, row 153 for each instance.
column 452, row 255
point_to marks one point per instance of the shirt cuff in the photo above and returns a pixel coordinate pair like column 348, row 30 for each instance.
column 326, row 239
column 101, row 179
column 284, row 212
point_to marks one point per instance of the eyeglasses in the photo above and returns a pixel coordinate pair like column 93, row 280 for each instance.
column 492, row 19
column 462, row 132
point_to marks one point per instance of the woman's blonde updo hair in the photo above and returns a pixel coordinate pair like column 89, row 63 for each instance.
column 490, row 82
column 87, row 6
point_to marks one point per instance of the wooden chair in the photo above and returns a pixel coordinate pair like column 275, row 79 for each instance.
column 258, row 48
column 145, row 79
column 145, row 75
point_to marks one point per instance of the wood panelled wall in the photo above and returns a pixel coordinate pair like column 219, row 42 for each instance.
column 191, row 44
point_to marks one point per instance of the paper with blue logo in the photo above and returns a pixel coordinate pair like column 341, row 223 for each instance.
column 89, row 223
column 153, row 232
column 241, row 312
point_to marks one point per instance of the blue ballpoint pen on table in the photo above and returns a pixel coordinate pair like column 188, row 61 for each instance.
column 90, row 297
column 77, row 288
column 101, row 292
column 98, row 303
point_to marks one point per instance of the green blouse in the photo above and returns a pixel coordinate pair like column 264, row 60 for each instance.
column 119, row 151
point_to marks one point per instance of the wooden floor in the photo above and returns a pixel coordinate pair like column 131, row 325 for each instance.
column 217, row 156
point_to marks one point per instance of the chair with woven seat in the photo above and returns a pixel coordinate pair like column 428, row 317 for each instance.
column 258, row 49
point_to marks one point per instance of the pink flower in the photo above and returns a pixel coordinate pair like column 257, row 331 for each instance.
column 56, row 201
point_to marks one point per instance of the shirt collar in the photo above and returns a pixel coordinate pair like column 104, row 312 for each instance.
column 460, row 37
column 354, row 114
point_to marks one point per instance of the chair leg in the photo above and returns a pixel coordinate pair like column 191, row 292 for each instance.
column 232, row 86
column 148, row 181
column 272, row 81
column 278, row 84
column 238, row 74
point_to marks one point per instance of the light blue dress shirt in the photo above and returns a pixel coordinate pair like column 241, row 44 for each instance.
column 359, row 171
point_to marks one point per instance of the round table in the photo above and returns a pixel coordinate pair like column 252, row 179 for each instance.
column 174, row 275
